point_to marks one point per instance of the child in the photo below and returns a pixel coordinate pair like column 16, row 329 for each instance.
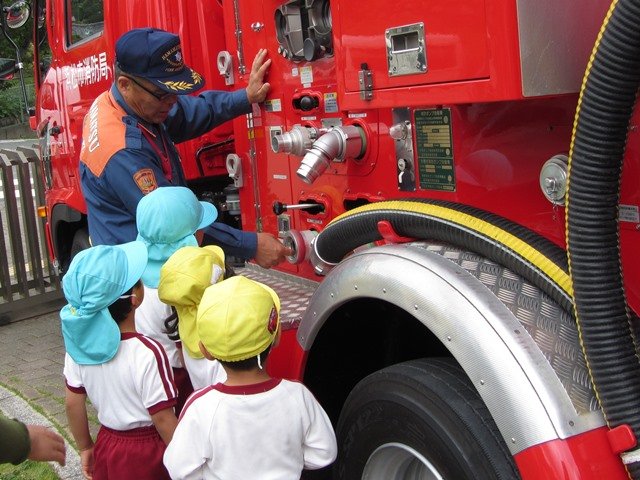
column 183, row 280
column 252, row 425
column 125, row 375
column 167, row 220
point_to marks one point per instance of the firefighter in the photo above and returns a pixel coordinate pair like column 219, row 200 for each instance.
column 129, row 134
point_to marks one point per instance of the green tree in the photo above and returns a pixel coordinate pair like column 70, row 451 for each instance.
column 21, row 36
column 11, row 98
column 88, row 11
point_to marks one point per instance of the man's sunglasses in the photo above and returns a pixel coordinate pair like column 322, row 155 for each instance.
column 158, row 96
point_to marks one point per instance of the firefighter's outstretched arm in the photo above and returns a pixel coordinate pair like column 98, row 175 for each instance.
column 263, row 247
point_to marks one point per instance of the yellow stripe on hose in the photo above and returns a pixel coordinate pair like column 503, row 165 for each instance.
column 526, row 251
column 577, row 115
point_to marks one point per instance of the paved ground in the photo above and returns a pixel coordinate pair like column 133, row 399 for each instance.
column 31, row 361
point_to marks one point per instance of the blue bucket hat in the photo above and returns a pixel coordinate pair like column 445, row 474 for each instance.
column 96, row 278
column 167, row 219
column 156, row 55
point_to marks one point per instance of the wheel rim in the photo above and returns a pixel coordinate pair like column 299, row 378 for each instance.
column 395, row 461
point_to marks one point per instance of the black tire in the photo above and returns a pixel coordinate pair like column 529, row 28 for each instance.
column 80, row 242
column 423, row 408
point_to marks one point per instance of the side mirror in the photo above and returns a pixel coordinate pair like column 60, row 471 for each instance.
column 17, row 14
column 8, row 67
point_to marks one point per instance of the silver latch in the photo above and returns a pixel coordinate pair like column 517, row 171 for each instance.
column 365, row 79
column 225, row 67
column 234, row 169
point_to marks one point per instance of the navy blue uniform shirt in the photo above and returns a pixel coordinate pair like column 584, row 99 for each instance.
column 119, row 163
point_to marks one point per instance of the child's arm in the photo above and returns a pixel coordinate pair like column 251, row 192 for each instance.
column 190, row 448
column 158, row 391
column 320, row 447
column 76, row 407
column 165, row 422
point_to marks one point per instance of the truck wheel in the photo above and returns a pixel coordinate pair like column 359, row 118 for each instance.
column 80, row 242
column 421, row 419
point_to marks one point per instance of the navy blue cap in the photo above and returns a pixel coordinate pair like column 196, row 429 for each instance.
column 156, row 55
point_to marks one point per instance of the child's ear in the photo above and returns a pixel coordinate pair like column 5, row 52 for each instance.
column 205, row 352
column 138, row 295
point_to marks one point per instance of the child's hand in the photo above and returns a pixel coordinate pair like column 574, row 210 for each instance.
column 86, row 457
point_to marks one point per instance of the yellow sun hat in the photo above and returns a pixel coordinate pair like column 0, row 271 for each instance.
column 183, row 279
column 238, row 318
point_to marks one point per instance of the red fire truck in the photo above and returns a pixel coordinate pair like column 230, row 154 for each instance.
column 462, row 199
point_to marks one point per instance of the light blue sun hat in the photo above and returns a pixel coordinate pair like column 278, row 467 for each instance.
column 96, row 278
column 167, row 219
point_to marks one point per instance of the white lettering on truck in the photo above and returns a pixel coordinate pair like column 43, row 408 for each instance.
column 87, row 71
column 93, row 140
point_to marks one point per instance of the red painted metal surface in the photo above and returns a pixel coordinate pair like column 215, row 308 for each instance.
column 472, row 52
column 287, row 359
column 621, row 438
column 630, row 231
column 500, row 139
column 583, row 457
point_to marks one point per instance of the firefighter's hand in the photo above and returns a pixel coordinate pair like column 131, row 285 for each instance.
column 270, row 251
column 257, row 88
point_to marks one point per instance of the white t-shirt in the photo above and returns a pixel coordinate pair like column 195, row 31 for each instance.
column 150, row 317
column 129, row 388
column 202, row 372
column 271, row 430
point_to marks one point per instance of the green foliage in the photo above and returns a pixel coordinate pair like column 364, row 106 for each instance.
column 87, row 11
column 28, row 471
column 22, row 38
column 12, row 108
column 11, row 98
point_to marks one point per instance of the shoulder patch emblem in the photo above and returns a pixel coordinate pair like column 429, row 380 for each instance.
column 146, row 180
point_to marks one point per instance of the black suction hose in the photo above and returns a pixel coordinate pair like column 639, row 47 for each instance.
column 523, row 251
column 595, row 166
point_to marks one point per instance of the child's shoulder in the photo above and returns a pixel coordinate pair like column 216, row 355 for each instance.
column 295, row 388
column 137, row 337
column 293, row 384
column 200, row 397
column 143, row 345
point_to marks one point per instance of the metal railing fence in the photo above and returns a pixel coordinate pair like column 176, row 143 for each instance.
column 28, row 280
